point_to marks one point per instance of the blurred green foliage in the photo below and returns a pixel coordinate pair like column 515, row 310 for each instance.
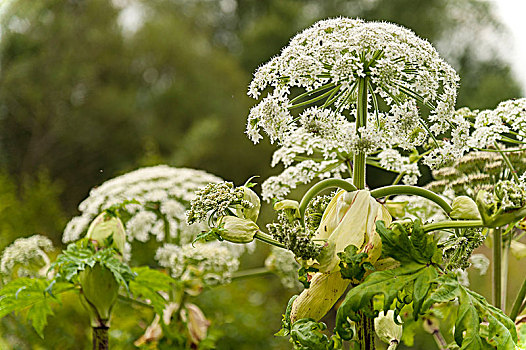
column 33, row 207
column 92, row 89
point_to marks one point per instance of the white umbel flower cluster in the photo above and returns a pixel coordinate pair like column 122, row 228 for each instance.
column 163, row 194
column 491, row 125
column 26, row 255
column 327, row 61
column 211, row 263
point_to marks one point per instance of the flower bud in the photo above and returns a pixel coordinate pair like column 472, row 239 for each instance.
column 99, row 293
column 386, row 328
column 252, row 197
column 104, row 226
column 238, row 230
column 196, row 322
column 464, row 208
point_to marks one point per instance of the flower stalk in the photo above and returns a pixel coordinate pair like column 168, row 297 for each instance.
column 497, row 268
column 366, row 324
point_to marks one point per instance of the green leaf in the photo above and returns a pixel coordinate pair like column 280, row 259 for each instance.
column 307, row 334
column 208, row 236
column 148, row 283
column 407, row 283
column 285, row 322
column 31, row 294
column 473, row 309
column 352, row 265
column 83, row 253
column 408, row 243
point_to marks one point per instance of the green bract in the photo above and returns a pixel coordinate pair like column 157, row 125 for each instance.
column 105, row 226
column 464, row 208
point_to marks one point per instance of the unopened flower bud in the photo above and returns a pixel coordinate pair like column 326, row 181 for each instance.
column 386, row 328
column 238, row 230
column 100, row 291
column 464, row 208
column 104, row 226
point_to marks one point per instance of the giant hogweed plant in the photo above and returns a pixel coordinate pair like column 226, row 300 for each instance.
column 136, row 211
column 345, row 94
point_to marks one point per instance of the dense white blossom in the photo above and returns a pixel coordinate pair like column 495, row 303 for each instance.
column 392, row 160
column 211, row 263
column 161, row 196
column 327, row 61
column 162, row 193
column 491, row 125
column 27, row 255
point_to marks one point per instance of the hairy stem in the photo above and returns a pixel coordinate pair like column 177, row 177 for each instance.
column 100, row 338
column 497, row 267
column 411, row 190
column 518, row 304
column 366, row 325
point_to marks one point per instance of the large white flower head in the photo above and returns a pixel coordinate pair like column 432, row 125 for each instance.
column 508, row 119
column 26, row 257
column 163, row 194
column 400, row 73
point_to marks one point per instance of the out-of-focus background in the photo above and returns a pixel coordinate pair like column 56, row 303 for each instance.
column 91, row 89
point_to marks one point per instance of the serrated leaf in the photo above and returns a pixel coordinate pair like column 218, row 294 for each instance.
column 353, row 265
column 407, row 245
column 473, row 309
column 307, row 334
column 147, row 284
column 31, row 294
column 391, row 284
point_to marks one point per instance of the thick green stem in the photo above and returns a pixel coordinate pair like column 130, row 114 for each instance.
column 361, row 121
column 411, row 190
column 100, row 338
column 497, row 267
column 518, row 304
column 321, row 186
column 366, row 325
column 366, row 333
column 444, row 225
column 506, row 242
